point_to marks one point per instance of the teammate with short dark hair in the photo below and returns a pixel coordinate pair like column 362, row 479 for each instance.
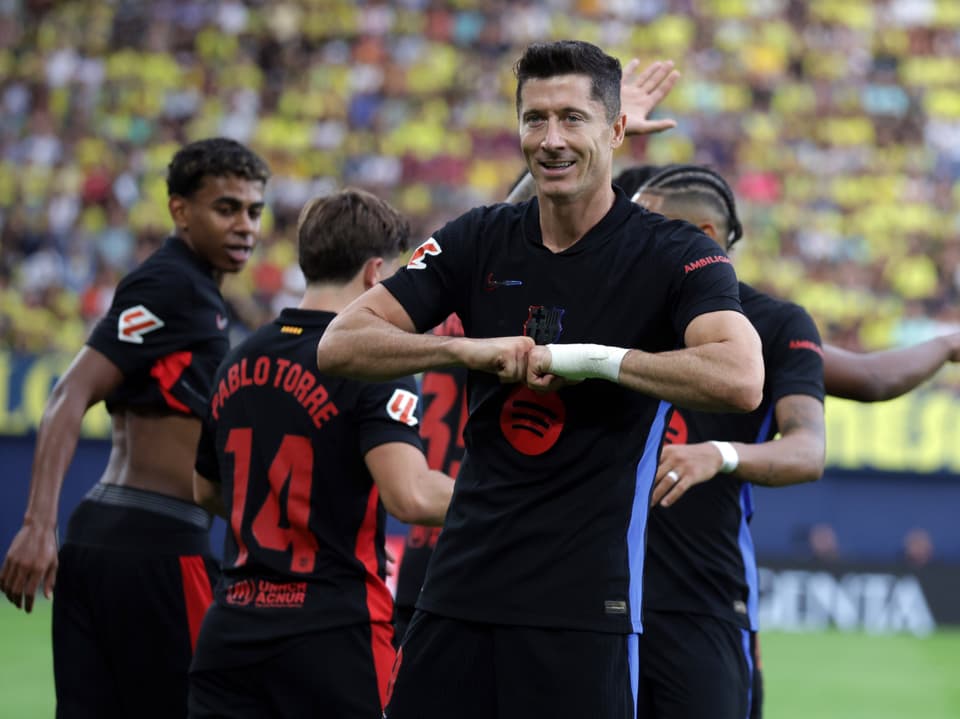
column 303, row 465
column 700, row 584
column 133, row 575
column 532, row 599
column 444, row 388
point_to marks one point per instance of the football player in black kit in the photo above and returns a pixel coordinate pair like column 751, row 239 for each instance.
column 531, row 604
column 303, row 464
column 700, row 584
column 133, row 574
column 705, row 574
column 444, row 389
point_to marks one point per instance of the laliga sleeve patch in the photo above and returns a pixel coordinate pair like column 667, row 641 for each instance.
column 402, row 407
column 418, row 258
column 135, row 322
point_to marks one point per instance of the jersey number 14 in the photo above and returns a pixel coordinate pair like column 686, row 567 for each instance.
column 292, row 467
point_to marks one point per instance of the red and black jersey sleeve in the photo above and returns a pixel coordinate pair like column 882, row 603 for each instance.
column 388, row 412
column 703, row 279
column 166, row 332
column 437, row 279
column 796, row 353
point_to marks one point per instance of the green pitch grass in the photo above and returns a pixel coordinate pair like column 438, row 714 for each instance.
column 824, row 676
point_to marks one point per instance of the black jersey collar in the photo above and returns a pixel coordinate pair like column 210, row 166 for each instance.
column 618, row 213
column 304, row 318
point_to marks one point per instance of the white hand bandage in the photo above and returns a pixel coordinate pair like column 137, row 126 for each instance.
column 586, row 361
column 729, row 455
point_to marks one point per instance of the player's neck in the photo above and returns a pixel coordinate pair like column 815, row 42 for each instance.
column 563, row 224
column 330, row 297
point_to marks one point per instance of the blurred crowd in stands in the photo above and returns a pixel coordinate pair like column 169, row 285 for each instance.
column 837, row 122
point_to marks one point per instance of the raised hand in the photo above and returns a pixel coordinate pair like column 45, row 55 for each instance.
column 641, row 92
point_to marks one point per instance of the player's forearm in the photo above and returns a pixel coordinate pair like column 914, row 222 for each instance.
column 713, row 377
column 782, row 462
column 56, row 443
column 361, row 345
column 879, row 376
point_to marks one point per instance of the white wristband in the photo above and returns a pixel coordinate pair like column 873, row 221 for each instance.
column 729, row 455
column 586, row 361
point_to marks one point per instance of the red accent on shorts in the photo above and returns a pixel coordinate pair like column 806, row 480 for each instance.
column 379, row 601
column 384, row 656
column 167, row 371
column 197, row 593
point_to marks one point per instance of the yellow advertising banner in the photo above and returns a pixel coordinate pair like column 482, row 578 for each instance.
column 919, row 432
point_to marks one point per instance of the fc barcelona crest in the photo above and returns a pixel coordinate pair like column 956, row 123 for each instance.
column 544, row 324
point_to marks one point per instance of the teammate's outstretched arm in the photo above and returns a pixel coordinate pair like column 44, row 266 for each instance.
column 879, row 376
column 31, row 561
column 409, row 489
column 798, row 456
column 375, row 339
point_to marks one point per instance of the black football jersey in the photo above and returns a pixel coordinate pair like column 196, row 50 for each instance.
column 700, row 554
column 305, row 545
column 548, row 517
column 166, row 331
column 444, row 395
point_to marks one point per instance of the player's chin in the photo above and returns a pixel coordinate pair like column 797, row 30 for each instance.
column 234, row 260
column 229, row 266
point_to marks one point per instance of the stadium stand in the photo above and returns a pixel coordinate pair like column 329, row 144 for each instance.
column 838, row 122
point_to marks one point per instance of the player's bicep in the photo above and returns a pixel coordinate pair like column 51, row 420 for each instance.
column 725, row 326
column 396, row 467
column 90, row 378
column 378, row 303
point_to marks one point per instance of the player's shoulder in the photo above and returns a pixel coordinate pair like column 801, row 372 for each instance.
column 772, row 316
column 759, row 302
column 669, row 237
column 168, row 269
column 483, row 219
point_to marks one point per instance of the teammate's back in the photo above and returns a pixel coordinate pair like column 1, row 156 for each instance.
column 298, row 462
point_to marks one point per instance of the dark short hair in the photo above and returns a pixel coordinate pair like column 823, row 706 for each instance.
column 339, row 232
column 703, row 184
column 213, row 157
column 573, row 57
column 632, row 178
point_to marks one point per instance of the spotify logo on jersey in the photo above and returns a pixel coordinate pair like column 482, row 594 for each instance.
column 532, row 422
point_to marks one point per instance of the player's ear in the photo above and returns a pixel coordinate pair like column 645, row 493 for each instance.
column 619, row 130
column 372, row 272
column 177, row 205
column 710, row 229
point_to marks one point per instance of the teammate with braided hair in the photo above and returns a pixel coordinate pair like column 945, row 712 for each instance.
column 700, row 586
column 683, row 581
